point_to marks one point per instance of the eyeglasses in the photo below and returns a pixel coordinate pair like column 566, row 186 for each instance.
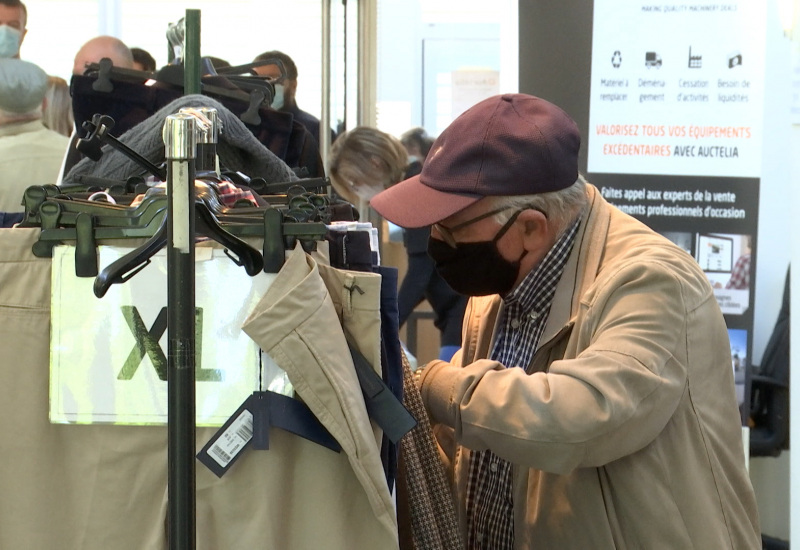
column 447, row 232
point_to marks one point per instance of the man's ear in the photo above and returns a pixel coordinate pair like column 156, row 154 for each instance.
column 537, row 232
column 534, row 222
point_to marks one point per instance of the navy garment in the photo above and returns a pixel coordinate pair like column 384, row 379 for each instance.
column 129, row 103
column 8, row 219
column 350, row 250
column 309, row 121
column 392, row 357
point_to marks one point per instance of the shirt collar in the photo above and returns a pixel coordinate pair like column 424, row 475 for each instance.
column 535, row 291
column 15, row 128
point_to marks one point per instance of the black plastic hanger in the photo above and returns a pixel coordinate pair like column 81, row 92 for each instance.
column 133, row 262
column 98, row 133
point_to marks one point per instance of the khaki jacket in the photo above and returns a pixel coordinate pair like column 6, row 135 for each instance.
column 624, row 431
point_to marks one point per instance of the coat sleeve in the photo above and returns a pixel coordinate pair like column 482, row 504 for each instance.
column 625, row 379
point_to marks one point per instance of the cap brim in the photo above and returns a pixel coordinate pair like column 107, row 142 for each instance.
column 412, row 204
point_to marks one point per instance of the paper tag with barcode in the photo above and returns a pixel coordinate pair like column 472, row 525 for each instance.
column 222, row 450
column 233, row 440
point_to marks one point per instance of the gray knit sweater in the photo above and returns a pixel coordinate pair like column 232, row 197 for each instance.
column 238, row 149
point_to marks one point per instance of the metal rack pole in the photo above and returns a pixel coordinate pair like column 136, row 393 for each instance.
column 325, row 115
column 180, row 143
column 191, row 54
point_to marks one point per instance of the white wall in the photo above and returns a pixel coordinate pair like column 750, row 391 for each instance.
column 234, row 30
column 795, row 353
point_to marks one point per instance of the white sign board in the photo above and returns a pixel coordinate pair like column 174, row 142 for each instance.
column 677, row 88
column 109, row 355
column 471, row 86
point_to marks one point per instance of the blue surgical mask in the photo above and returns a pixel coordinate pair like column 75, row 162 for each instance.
column 277, row 101
column 9, row 41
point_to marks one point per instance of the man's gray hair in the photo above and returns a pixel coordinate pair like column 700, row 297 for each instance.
column 561, row 207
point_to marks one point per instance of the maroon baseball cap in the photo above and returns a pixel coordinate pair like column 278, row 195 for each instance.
column 510, row 144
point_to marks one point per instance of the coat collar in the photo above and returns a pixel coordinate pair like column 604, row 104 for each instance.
column 582, row 265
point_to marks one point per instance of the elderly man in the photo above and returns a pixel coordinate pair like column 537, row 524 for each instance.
column 30, row 154
column 592, row 404
column 92, row 52
column 99, row 47
column 13, row 18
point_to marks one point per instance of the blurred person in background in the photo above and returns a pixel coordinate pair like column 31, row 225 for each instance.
column 142, row 60
column 417, row 143
column 30, row 154
column 93, row 51
column 13, row 21
column 57, row 107
column 365, row 161
column 99, row 47
column 285, row 81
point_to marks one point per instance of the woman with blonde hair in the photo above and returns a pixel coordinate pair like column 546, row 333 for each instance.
column 57, row 108
column 363, row 162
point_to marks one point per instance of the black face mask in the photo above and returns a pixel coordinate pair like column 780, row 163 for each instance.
column 475, row 269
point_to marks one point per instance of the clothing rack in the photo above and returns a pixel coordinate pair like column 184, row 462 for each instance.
column 186, row 153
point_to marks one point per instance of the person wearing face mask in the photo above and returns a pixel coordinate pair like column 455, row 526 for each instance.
column 417, row 143
column 30, row 154
column 285, row 81
column 13, row 19
column 593, row 402
column 363, row 162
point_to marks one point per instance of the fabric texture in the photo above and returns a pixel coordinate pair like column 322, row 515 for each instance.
column 391, row 359
column 30, row 154
column 9, row 219
column 424, row 493
column 740, row 276
column 309, row 121
column 623, row 434
column 64, row 486
column 95, row 487
column 237, row 147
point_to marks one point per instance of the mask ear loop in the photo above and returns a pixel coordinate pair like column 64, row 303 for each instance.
column 512, row 219
column 507, row 226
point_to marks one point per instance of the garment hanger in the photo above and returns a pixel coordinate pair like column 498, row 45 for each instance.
column 121, row 270
column 98, row 134
column 106, row 214
column 253, row 91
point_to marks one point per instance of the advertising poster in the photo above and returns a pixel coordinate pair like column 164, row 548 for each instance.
column 675, row 137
